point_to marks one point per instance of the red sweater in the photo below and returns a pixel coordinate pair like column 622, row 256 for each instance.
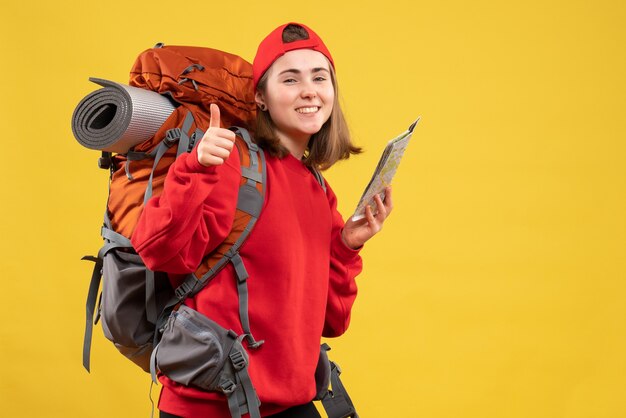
column 301, row 283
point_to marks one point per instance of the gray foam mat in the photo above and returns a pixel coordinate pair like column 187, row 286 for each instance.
column 118, row 117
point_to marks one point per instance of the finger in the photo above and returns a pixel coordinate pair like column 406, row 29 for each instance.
column 226, row 134
column 226, row 143
column 210, row 160
column 211, row 141
column 207, row 156
column 381, row 210
column 220, row 147
column 214, row 122
column 369, row 215
column 219, row 136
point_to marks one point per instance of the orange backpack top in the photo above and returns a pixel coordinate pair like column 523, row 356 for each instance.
column 193, row 77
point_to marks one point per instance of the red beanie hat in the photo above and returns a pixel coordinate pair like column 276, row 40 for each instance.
column 273, row 47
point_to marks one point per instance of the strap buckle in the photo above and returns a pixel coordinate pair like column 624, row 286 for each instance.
column 238, row 360
column 228, row 386
column 171, row 136
column 183, row 290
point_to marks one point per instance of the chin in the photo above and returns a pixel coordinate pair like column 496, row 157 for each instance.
column 312, row 129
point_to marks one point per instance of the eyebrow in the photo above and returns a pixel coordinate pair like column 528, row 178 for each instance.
column 296, row 71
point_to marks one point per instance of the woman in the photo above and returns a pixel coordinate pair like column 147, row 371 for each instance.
column 301, row 258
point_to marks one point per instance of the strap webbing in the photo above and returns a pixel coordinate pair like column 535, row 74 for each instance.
column 251, row 398
column 242, row 392
column 161, row 150
column 112, row 236
column 92, row 295
column 249, row 199
column 318, row 177
column 337, row 403
column 242, row 291
column 245, row 135
column 183, row 143
column 252, row 175
column 233, row 405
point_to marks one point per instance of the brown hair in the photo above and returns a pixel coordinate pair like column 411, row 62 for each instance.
column 331, row 144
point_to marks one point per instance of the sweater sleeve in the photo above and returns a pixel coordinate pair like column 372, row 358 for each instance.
column 345, row 265
column 191, row 217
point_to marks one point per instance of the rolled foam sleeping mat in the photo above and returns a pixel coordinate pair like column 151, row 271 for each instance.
column 118, row 117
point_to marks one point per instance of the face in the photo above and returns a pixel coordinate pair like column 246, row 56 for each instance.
column 299, row 94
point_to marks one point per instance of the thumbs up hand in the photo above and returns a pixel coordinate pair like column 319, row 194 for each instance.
column 217, row 142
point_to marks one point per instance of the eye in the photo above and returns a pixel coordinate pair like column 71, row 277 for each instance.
column 289, row 80
column 320, row 78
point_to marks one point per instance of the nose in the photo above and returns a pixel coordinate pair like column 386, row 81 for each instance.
column 308, row 90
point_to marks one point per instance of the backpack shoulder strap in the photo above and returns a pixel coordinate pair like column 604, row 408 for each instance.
column 249, row 204
column 318, row 177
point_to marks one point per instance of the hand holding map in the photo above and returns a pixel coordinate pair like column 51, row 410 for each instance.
column 387, row 166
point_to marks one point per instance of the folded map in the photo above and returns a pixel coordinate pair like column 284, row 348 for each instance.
column 387, row 166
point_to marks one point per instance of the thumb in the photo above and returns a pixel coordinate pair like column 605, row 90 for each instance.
column 214, row 122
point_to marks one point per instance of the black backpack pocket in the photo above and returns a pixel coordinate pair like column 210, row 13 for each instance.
column 196, row 351
column 123, row 306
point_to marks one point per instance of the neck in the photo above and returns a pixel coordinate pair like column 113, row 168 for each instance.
column 295, row 146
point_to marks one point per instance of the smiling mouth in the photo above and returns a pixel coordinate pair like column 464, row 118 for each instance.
column 310, row 109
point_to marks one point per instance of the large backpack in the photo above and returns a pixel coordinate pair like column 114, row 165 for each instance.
column 138, row 308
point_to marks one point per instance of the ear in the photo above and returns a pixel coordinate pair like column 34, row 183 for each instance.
column 259, row 99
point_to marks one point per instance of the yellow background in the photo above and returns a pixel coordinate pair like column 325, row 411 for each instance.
column 497, row 288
